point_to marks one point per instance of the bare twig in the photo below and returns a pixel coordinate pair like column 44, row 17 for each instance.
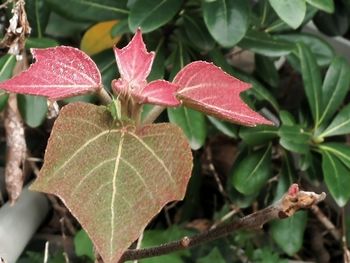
column 326, row 222
column 290, row 203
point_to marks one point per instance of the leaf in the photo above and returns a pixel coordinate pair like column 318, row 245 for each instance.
column 227, row 21
column 288, row 233
column 340, row 150
column 33, row 109
column 150, row 15
column 83, row 245
column 340, row 124
column 134, row 64
column 290, row 11
column 131, row 173
column 7, row 64
column 120, row 28
column 38, row 13
column 266, row 45
column 258, row 135
column 252, row 172
column 266, row 70
column 312, row 80
column 335, row 87
column 337, row 178
column 98, row 38
column 205, row 87
column 90, row 10
column 213, row 256
column 58, row 73
column 42, row 42
column 226, row 128
column 325, row 5
column 294, row 138
column 192, row 123
column 155, row 237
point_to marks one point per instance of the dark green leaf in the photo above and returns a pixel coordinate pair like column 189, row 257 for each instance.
column 158, row 66
column 105, row 62
column 291, row 12
column 258, row 135
column 340, row 150
column 325, row 5
column 7, row 63
column 264, row 44
column 287, row 118
column 178, row 59
column 150, row 14
column 226, row 20
column 340, row 124
column 337, row 177
column 288, row 233
column 266, row 70
column 294, row 138
column 226, row 128
column 38, row 16
column 251, row 172
column 197, row 33
column 286, row 177
column 323, row 51
column 213, row 257
column 335, row 87
column 120, row 28
column 90, row 10
column 41, row 42
column 312, row 80
column 33, row 109
column 192, row 123
column 83, row 245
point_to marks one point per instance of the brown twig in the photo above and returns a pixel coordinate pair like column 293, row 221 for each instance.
column 326, row 222
column 290, row 203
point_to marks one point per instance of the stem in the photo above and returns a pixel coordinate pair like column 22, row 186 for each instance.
column 153, row 114
column 290, row 203
column 104, row 96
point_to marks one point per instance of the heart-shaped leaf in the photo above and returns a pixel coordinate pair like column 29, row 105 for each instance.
column 58, row 73
column 113, row 177
column 207, row 88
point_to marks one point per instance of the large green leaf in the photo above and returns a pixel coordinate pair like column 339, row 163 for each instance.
column 312, row 80
column 33, row 109
column 325, row 5
column 150, row 14
column 290, row 11
column 192, row 123
column 226, row 20
column 288, row 233
column 264, row 44
column 38, row 15
column 340, row 150
column 335, row 87
column 336, row 176
column 7, row 63
column 90, row 10
column 266, row 69
column 340, row 124
column 294, row 138
column 227, row 128
column 258, row 135
column 112, row 176
column 251, row 172
column 213, row 257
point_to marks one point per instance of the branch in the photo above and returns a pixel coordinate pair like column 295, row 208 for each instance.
column 290, row 203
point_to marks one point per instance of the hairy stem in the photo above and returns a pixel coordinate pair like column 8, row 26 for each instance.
column 153, row 114
column 290, row 203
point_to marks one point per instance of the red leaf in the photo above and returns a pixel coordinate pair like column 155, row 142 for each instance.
column 58, row 73
column 205, row 87
column 135, row 63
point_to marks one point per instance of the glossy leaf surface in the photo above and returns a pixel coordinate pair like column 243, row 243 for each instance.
column 290, row 11
column 207, row 88
column 33, row 109
column 131, row 174
column 325, row 5
column 58, row 73
column 340, row 124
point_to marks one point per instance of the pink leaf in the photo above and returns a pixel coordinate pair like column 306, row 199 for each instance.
column 134, row 62
column 58, row 73
column 207, row 88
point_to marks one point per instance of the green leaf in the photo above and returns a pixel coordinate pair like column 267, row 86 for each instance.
column 197, row 33
column 251, row 172
column 105, row 62
column 288, row 233
column 41, row 42
column 150, row 14
column 178, row 59
column 286, row 177
column 158, row 66
column 337, row 177
column 340, row 124
column 7, row 64
column 266, row 70
column 113, row 177
column 335, row 87
column 312, row 80
column 192, row 123
column 227, row 128
column 258, row 135
column 290, row 11
column 60, row 27
column 120, row 28
column 38, row 14
column 264, row 44
column 90, row 10
column 226, row 20
column 325, row 5
column 213, row 257
column 340, row 150
column 323, row 51
column 294, row 138
column 83, row 245
column 33, row 109
column 155, row 237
